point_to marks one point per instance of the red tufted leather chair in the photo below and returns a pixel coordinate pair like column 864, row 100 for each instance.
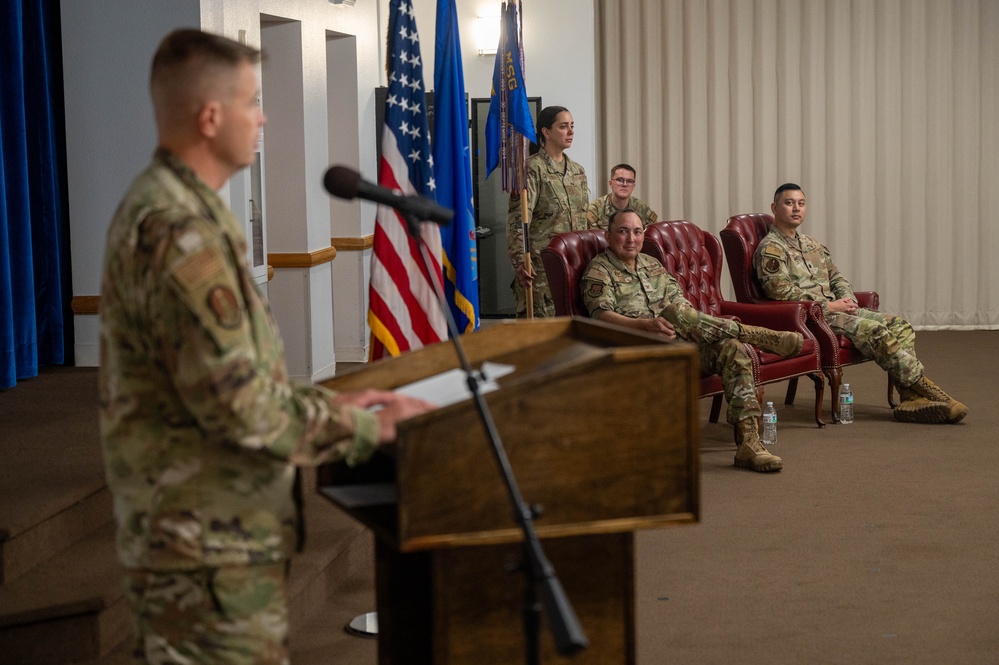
column 565, row 260
column 741, row 236
column 694, row 257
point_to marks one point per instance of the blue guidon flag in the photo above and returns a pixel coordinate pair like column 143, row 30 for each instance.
column 509, row 121
column 453, row 169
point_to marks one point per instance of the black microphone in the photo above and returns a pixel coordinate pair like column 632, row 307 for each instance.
column 346, row 183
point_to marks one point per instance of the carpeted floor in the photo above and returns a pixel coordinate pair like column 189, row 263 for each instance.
column 876, row 544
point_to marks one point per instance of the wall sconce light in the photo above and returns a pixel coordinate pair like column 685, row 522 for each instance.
column 487, row 34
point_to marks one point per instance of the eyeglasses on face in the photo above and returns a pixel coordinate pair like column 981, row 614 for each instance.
column 628, row 182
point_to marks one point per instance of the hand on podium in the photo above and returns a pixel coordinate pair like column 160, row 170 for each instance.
column 391, row 408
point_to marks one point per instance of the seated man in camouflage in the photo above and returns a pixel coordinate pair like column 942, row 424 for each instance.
column 626, row 287
column 793, row 266
column 622, row 184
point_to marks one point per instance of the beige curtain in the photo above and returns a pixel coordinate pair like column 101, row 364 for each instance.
column 885, row 111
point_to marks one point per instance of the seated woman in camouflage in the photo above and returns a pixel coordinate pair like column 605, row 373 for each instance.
column 626, row 287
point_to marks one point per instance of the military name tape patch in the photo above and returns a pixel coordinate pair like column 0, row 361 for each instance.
column 223, row 304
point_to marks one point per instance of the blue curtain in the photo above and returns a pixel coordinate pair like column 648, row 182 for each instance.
column 34, row 257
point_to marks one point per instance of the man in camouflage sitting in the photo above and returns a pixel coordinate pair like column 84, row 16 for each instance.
column 632, row 289
column 622, row 186
column 793, row 266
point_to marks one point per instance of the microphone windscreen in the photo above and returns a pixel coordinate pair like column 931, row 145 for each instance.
column 342, row 181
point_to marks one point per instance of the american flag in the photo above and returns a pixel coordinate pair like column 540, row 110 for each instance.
column 404, row 313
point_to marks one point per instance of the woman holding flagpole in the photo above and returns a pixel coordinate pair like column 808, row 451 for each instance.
column 557, row 198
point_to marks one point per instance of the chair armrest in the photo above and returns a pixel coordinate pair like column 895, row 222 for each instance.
column 868, row 299
column 790, row 316
column 818, row 326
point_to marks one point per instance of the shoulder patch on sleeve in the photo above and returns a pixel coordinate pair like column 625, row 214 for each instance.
column 771, row 265
column 209, row 289
column 653, row 217
column 773, row 250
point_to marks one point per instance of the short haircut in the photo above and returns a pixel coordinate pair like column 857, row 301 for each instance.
column 786, row 187
column 187, row 66
column 614, row 215
column 626, row 167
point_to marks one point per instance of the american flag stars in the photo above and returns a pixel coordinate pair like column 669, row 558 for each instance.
column 405, row 110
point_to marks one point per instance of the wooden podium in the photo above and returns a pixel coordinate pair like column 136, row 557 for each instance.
column 601, row 428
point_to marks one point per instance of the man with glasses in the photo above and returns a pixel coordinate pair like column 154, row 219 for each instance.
column 622, row 184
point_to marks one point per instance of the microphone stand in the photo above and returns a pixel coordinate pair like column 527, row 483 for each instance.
column 566, row 631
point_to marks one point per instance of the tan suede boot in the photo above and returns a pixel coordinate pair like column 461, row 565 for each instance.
column 784, row 344
column 751, row 454
column 932, row 392
column 921, row 410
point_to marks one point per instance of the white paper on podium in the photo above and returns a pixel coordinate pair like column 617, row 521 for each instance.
column 451, row 386
column 441, row 389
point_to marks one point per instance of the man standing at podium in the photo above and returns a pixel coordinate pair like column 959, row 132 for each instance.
column 632, row 289
column 200, row 426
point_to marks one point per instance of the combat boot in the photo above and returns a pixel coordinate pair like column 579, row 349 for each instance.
column 784, row 344
column 751, row 454
column 931, row 391
column 914, row 408
column 921, row 410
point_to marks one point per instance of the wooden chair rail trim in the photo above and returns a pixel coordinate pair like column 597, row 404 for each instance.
column 302, row 259
column 353, row 244
column 85, row 304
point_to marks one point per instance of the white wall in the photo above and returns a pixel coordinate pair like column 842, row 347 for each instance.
column 110, row 134
column 559, row 61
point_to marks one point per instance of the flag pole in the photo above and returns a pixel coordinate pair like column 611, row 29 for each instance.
column 525, row 216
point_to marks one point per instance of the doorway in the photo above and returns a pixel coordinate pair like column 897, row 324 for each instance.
column 491, row 202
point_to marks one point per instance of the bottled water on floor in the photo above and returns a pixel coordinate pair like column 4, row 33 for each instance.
column 846, row 404
column 769, row 425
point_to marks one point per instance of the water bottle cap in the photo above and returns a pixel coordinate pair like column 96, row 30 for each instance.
column 770, row 403
column 846, row 386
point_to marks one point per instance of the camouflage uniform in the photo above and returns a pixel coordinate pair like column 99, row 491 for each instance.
column 800, row 268
column 601, row 209
column 200, row 426
column 557, row 196
column 649, row 291
column 236, row 614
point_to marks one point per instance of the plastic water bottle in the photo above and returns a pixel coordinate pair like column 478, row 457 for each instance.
column 769, row 425
column 845, row 404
